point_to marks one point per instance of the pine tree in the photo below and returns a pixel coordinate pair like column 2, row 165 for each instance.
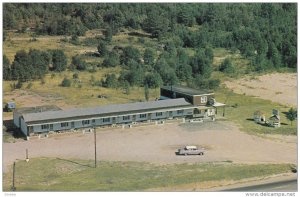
column 291, row 115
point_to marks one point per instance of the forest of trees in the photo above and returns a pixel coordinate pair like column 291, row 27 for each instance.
column 265, row 33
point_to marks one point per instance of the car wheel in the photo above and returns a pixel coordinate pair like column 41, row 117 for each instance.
column 201, row 153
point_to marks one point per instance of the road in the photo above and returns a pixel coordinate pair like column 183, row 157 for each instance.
column 280, row 186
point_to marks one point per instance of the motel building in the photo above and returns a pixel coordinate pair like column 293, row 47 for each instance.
column 176, row 102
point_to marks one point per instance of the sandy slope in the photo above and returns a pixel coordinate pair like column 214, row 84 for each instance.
column 277, row 87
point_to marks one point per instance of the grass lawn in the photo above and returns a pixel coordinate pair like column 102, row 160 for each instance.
column 53, row 174
column 240, row 109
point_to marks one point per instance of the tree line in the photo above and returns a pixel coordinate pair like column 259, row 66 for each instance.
column 33, row 64
column 264, row 32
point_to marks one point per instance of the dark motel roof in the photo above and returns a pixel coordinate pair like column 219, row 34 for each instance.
column 37, row 109
column 102, row 111
column 187, row 90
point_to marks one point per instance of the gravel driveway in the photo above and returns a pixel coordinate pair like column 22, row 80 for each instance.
column 157, row 144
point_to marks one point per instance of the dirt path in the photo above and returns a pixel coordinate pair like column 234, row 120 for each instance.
column 157, row 144
column 277, row 87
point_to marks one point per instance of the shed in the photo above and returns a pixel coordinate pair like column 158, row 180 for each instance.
column 274, row 121
column 9, row 106
column 259, row 117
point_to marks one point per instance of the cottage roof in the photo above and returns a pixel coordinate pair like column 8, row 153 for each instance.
column 258, row 113
column 105, row 110
column 274, row 117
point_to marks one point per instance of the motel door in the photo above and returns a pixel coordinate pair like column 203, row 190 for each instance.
column 72, row 125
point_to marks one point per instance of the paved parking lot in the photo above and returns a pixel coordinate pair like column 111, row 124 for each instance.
column 157, row 144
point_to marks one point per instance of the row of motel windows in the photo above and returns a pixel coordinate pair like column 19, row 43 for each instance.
column 86, row 122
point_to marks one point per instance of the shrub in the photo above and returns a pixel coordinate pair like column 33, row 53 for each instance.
column 75, row 76
column 66, row 82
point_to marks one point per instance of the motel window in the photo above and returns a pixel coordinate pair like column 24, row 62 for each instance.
column 64, row 124
column 179, row 111
column 106, row 119
column 45, row 126
column 203, row 99
column 126, row 117
column 143, row 115
column 93, row 121
column 84, row 122
column 158, row 113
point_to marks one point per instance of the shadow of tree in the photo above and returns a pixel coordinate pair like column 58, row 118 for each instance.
column 13, row 130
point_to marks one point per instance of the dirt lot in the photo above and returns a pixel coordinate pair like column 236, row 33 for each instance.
column 277, row 87
column 157, row 144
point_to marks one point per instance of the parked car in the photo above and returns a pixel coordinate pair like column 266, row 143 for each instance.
column 190, row 150
column 196, row 120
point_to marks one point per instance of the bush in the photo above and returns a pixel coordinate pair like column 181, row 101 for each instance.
column 213, row 83
column 78, row 63
column 111, row 60
column 75, row 76
column 66, row 82
column 29, row 86
column 227, row 67
column 19, row 84
column 43, row 81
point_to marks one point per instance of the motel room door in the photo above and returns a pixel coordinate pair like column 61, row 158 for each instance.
column 72, row 125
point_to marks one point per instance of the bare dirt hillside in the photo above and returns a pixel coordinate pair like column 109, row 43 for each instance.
column 277, row 87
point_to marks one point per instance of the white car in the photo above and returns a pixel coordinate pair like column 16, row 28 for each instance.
column 190, row 150
column 196, row 120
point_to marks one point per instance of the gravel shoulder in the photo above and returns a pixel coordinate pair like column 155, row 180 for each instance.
column 157, row 144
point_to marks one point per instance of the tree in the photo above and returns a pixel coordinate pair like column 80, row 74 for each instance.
column 6, row 68
column 146, row 90
column 130, row 53
column 66, row 82
column 78, row 63
column 111, row 60
column 201, row 64
column 111, row 81
column 102, row 49
column 108, row 35
column 39, row 61
column 21, row 68
column 149, row 56
column 127, row 87
column 227, row 66
column 74, row 39
column 184, row 72
column 59, row 60
column 291, row 115
column 156, row 23
column 153, row 80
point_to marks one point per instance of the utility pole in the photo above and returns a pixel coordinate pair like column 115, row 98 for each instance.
column 27, row 159
column 95, row 147
column 13, row 188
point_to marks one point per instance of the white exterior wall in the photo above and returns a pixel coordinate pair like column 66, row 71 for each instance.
column 185, row 112
column 23, row 127
column 141, row 119
column 106, row 123
column 118, row 120
column 57, row 126
column 153, row 115
column 17, row 120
